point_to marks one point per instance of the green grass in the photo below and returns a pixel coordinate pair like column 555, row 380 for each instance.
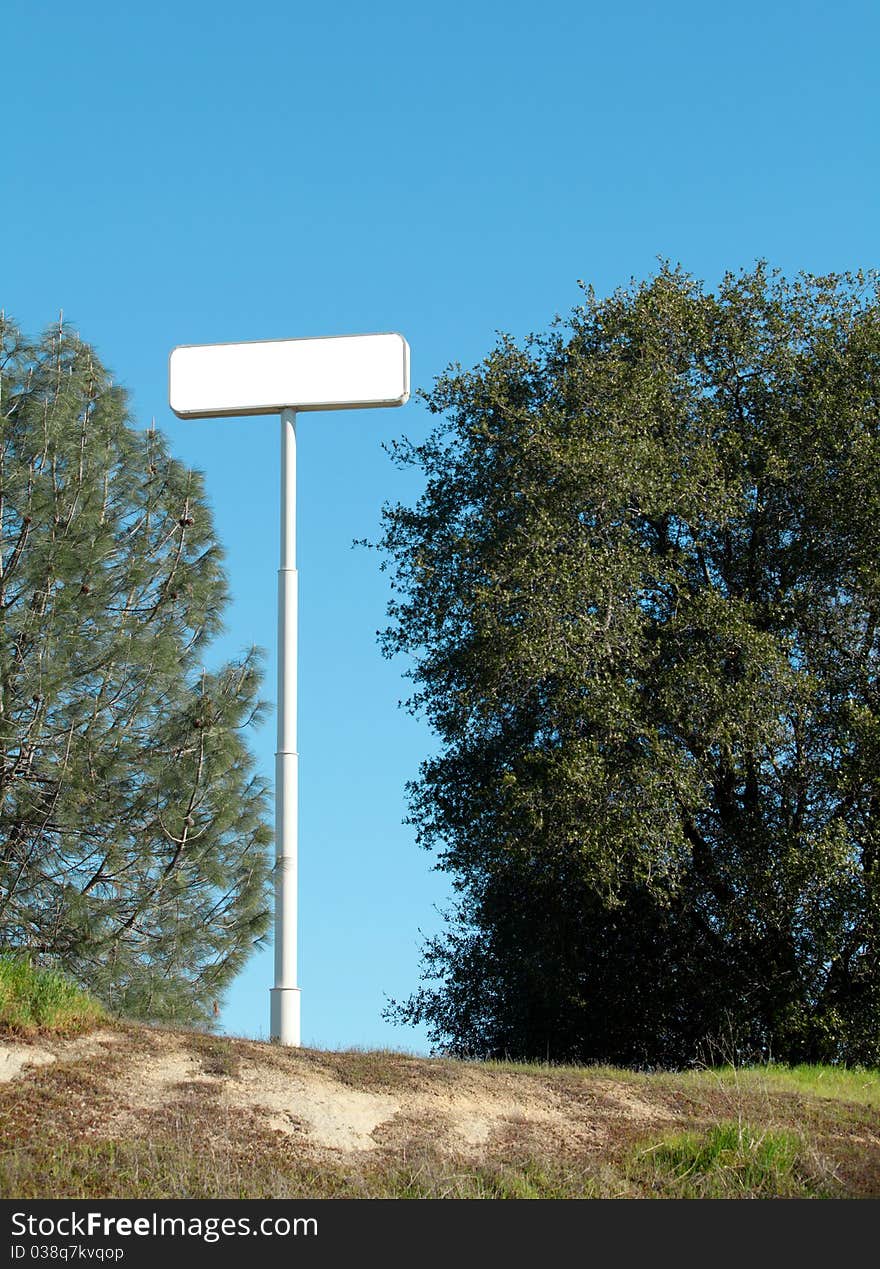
column 846, row 1084
column 835, row 1082
column 732, row 1160
column 34, row 1000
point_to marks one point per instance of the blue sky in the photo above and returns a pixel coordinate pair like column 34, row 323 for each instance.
column 198, row 172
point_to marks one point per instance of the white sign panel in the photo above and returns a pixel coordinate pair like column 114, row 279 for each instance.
column 335, row 373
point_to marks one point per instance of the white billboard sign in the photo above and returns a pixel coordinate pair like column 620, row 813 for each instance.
column 338, row 372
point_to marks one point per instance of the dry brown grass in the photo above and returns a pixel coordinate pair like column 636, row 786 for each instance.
column 135, row 1112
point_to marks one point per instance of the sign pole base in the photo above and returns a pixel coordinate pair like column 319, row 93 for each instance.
column 284, row 1009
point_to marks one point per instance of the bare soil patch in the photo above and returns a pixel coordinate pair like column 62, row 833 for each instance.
column 306, row 1097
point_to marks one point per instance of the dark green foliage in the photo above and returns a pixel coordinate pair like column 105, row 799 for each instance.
column 641, row 593
column 132, row 827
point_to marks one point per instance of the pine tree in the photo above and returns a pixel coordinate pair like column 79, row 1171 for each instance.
column 133, row 827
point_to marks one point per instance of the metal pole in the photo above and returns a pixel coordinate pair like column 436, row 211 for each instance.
column 285, row 996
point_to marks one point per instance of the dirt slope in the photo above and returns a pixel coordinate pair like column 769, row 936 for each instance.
column 313, row 1098
column 354, row 1116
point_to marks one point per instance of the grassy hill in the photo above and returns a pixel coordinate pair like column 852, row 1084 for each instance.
column 105, row 1109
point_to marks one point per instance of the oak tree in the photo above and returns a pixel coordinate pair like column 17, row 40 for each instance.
column 640, row 594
